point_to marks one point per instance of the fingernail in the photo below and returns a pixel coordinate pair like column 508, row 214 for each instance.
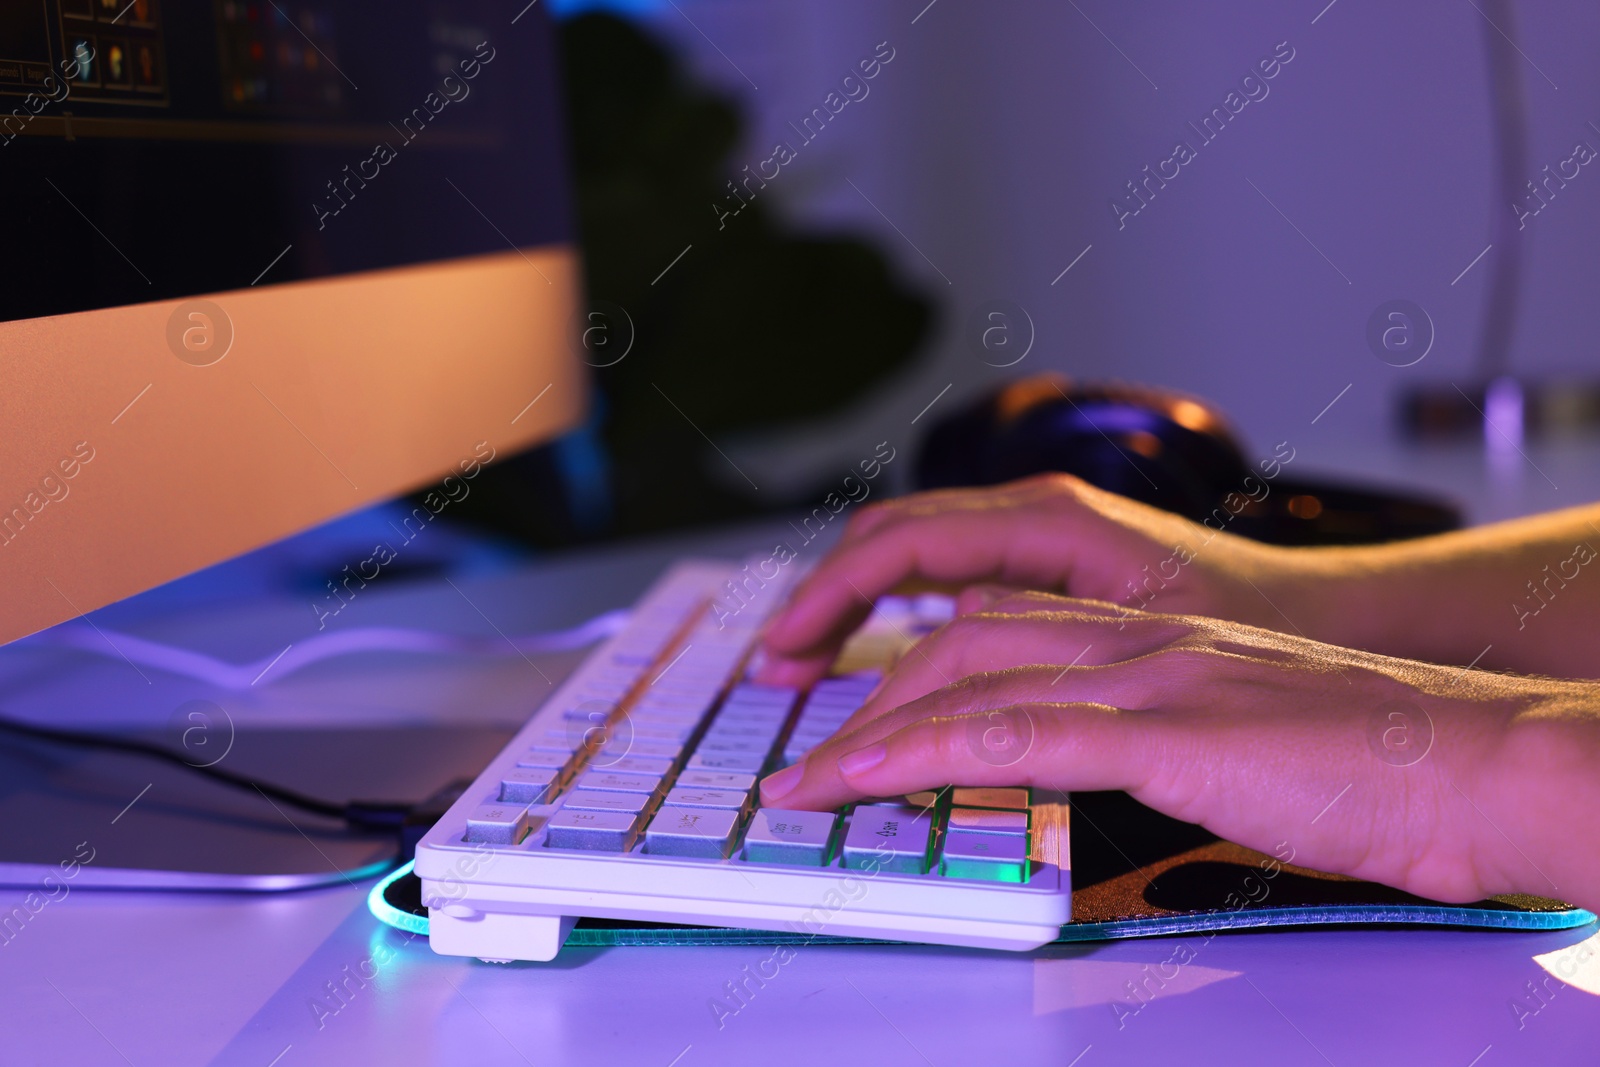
column 782, row 782
column 863, row 759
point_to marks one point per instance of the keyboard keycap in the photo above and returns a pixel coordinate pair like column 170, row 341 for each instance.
column 890, row 838
column 612, row 782
column 551, row 761
column 636, row 765
column 985, row 857
column 732, row 730
column 594, row 800
column 1008, row 799
column 985, row 821
column 752, row 693
column 647, row 748
column 742, row 783
column 693, row 705
column 557, row 741
column 682, row 797
column 497, row 824
column 666, row 716
column 591, row 831
column 798, row 838
column 703, row 832
column 527, row 785
column 727, row 761
column 651, row 731
column 754, row 746
column 764, row 712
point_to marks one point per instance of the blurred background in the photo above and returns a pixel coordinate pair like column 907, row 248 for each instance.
column 790, row 260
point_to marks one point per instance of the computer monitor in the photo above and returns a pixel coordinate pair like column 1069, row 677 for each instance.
column 266, row 261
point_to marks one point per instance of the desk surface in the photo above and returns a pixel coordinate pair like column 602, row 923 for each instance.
column 116, row 977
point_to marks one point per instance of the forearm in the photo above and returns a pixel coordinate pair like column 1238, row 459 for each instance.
column 1522, row 595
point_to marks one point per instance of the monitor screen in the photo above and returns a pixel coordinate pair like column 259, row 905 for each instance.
column 152, row 149
column 268, row 261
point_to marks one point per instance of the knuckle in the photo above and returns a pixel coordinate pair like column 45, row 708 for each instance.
column 869, row 517
column 1058, row 481
column 980, row 691
column 1191, row 657
column 1028, row 599
column 1064, row 488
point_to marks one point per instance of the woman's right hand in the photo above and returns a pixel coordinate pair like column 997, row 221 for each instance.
column 1053, row 533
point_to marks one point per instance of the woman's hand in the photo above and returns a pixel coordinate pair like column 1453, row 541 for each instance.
column 1447, row 783
column 1052, row 532
column 1514, row 595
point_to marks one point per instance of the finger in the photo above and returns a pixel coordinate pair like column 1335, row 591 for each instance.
column 979, row 597
column 1028, row 601
column 1136, row 686
column 803, row 670
column 983, row 643
column 1259, row 755
column 964, row 539
column 874, row 516
column 1059, row 746
column 795, row 672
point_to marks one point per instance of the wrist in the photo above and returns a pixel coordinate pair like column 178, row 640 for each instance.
column 1534, row 793
column 1372, row 598
column 1327, row 595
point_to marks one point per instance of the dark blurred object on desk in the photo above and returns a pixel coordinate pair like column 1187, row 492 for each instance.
column 1505, row 407
column 699, row 325
column 1171, row 451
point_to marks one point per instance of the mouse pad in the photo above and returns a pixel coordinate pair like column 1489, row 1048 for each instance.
column 1135, row 873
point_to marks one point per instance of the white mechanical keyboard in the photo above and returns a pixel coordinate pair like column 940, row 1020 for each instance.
column 631, row 794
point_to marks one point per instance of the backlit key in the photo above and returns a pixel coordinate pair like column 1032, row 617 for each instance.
column 550, row 761
column 798, row 838
column 742, row 783
column 727, row 761
column 734, row 744
column 703, row 832
column 1010, row 799
column 594, row 800
column 985, row 857
column 649, row 748
column 526, row 785
column 682, row 797
column 888, row 838
column 651, row 731
column 983, row 821
column 637, row 765
column 731, row 730
column 762, row 694
column 612, row 782
column 591, row 831
column 497, row 824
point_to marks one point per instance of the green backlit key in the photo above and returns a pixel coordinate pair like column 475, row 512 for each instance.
column 985, row 821
column 985, row 857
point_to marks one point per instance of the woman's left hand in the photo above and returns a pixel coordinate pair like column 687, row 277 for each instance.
column 1448, row 783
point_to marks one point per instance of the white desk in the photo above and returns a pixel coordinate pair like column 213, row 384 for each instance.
column 155, row 979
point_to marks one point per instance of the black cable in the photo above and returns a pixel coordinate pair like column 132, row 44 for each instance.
column 359, row 815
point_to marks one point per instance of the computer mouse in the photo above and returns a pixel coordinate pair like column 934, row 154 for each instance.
column 1170, row 450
